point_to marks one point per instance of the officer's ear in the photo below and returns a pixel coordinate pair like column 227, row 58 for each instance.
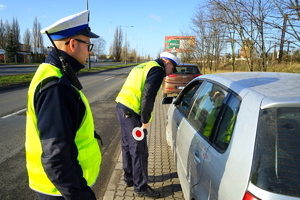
column 165, row 61
column 70, row 45
column 73, row 45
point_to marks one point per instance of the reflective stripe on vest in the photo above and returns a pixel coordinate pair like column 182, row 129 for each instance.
column 131, row 92
column 89, row 155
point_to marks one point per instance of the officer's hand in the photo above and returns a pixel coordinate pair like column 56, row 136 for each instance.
column 145, row 126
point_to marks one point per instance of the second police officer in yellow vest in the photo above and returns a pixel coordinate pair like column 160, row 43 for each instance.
column 134, row 107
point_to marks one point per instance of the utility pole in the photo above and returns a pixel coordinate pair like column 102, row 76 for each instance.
column 89, row 58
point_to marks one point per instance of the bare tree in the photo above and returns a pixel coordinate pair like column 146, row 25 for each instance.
column 117, row 44
column 209, row 31
column 126, row 51
column 99, row 46
column 26, row 40
column 198, row 27
column 289, row 10
column 249, row 20
column 133, row 56
column 37, row 39
column 15, row 29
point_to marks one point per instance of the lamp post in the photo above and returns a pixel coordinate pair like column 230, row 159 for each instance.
column 126, row 44
column 89, row 57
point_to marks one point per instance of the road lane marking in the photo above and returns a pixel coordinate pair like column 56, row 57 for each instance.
column 109, row 78
column 15, row 113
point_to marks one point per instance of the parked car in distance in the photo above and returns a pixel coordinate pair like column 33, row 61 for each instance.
column 175, row 82
column 237, row 136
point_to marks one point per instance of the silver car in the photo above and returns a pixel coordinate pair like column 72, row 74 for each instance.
column 236, row 136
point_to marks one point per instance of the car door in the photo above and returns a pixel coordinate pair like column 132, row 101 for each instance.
column 192, row 146
column 199, row 124
column 181, row 109
column 216, row 156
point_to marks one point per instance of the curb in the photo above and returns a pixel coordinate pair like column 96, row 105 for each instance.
column 162, row 172
column 112, row 185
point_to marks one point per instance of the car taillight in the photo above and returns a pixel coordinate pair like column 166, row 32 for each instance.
column 172, row 75
column 249, row 196
column 196, row 75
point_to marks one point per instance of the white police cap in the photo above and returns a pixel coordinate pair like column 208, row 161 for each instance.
column 174, row 59
column 72, row 25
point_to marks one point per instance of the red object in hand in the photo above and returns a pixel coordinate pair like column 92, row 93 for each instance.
column 138, row 133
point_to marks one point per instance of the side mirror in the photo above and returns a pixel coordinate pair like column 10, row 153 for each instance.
column 167, row 100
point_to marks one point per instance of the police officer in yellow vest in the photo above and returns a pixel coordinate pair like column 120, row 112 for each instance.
column 134, row 107
column 62, row 155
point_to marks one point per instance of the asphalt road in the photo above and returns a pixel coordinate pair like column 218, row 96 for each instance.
column 30, row 68
column 101, row 90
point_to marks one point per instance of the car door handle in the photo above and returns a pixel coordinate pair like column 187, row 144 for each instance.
column 177, row 125
column 197, row 157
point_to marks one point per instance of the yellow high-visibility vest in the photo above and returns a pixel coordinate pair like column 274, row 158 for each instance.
column 132, row 90
column 89, row 155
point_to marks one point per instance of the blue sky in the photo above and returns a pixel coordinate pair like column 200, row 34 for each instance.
column 151, row 20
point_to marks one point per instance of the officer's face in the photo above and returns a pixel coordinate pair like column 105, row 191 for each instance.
column 169, row 67
column 81, row 48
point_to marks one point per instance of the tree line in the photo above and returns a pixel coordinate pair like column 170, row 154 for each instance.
column 121, row 51
column 262, row 31
column 10, row 39
column 32, row 42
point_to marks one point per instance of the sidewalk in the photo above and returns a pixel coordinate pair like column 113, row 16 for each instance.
column 161, row 169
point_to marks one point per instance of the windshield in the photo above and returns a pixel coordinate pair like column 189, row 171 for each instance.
column 276, row 163
column 187, row 70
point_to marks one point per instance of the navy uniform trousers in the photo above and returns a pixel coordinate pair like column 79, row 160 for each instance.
column 48, row 197
column 134, row 153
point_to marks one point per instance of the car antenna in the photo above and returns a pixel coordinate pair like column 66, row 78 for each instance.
column 67, row 68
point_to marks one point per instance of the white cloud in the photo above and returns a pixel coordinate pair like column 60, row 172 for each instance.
column 2, row 7
column 155, row 17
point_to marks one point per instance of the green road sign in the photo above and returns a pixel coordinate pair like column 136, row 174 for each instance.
column 172, row 43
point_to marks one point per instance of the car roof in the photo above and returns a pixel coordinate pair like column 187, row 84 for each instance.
column 275, row 86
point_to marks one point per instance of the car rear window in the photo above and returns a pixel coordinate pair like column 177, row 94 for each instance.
column 187, row 70
column 276, row 163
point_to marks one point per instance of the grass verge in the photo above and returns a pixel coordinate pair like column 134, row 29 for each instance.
column 23, row 79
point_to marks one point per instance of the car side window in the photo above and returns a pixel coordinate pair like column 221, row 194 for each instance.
column 206, row 108
column 187, row 96
column 224, row 132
